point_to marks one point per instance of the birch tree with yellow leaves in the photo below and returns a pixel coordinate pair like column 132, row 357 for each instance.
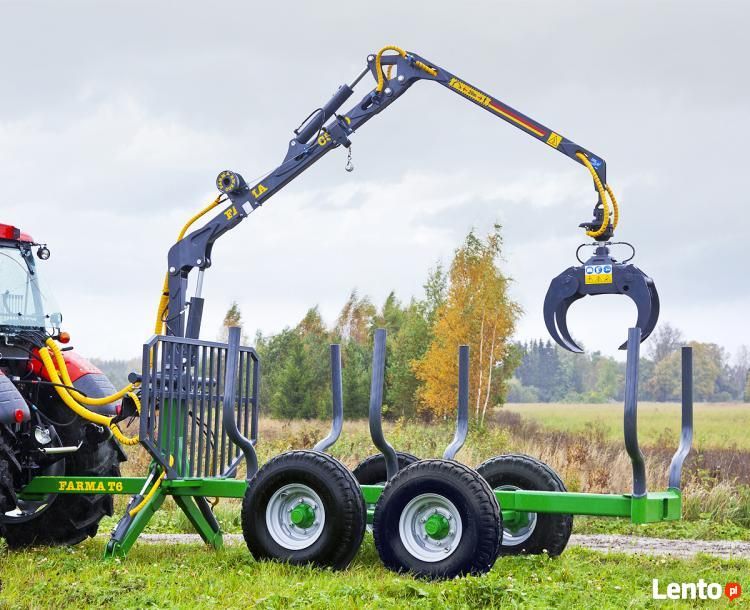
column 477, row 312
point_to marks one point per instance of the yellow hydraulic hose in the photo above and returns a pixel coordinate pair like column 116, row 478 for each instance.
column 379, row 68
column 615, row 207
column 136, row 509
column 164, row 299
column 603, row 197
column 77, row 408
column 63, row 368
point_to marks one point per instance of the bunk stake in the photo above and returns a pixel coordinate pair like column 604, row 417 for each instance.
column 376, row 405
column 686, row 435
column 462, row 420
column 631, row 413
column 338, row 401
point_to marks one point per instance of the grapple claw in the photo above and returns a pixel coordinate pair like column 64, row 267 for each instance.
column 561, row 317
column 562, row 288
column 600, row 274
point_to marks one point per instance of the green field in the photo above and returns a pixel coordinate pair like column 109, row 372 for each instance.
column 190, row 576
column 716, row 424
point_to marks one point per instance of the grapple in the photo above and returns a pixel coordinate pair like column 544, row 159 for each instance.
column 600, row 274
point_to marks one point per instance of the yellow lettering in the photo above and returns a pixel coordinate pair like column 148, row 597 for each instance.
column 70, row 486
column 61, row 485
column 230, row 212
column 79, row 485
column 324, row 138
column 258, row 191
column 90, row 485
column 118, row 486
column 469, row 91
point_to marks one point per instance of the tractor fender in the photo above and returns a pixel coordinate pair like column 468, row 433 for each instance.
column 86, row 378
column 11, row 403
column 96, row 385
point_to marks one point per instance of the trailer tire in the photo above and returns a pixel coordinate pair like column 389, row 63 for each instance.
column 372, row 470
column 468, row 520
column 329, row 537
column 544, row 532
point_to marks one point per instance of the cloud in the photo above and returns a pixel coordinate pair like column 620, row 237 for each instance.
column 113, row 128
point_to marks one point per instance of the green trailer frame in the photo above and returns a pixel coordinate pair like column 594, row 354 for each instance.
column 190, row 493
column 651, row 508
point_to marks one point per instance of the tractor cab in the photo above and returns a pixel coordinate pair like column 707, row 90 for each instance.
column 25, row 302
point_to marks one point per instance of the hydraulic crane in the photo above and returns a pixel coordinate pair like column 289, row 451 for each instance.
column 324, row 130
column 198, row 402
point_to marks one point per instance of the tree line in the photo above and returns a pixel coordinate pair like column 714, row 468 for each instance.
column 468, row 304
column 547, row 373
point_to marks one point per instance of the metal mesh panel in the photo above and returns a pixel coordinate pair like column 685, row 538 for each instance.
column 182, row 401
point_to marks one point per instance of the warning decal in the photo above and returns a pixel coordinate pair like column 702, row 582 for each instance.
column 598, row 274
column 554, row 140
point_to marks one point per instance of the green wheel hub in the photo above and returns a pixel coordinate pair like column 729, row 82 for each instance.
column 302, row 515
column 519, row 521
column 437, row 526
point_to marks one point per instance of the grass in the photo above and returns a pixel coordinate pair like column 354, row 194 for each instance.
column 190, row 576
column 700, row 529
column 717, row 425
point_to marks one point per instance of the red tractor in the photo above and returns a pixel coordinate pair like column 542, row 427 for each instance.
column 39, row 435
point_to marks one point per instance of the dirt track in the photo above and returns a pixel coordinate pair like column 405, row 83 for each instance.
column 599, row 542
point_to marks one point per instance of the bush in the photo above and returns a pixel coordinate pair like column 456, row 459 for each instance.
column 517, row 392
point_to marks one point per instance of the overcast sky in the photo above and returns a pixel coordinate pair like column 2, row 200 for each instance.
column 115, row 118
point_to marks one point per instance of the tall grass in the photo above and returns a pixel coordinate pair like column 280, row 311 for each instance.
column 715, row 482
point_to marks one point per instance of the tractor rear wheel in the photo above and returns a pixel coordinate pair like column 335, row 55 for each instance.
column 533, row 533
column 68, row 518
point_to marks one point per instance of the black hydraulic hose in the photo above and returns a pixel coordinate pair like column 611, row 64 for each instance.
column 51, row 383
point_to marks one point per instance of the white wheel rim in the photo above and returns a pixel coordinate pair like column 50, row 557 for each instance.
column 411, row 527
column 522, row 534
column 279, row 522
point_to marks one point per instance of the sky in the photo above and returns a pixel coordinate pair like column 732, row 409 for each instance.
column 116, row 117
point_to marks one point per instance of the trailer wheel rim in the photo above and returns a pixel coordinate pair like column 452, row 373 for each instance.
column 518, row 535
column 420, row 531
column 284, row 509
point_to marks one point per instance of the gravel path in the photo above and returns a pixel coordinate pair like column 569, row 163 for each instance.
column 726, row 549
column 605, row 543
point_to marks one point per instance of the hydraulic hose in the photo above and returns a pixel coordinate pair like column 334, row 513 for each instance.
column 79, row 409
column 603, row 193
column 379, row 68
column 63, row 368
column 138, row 507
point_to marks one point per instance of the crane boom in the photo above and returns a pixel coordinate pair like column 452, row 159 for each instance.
column 324, row 130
